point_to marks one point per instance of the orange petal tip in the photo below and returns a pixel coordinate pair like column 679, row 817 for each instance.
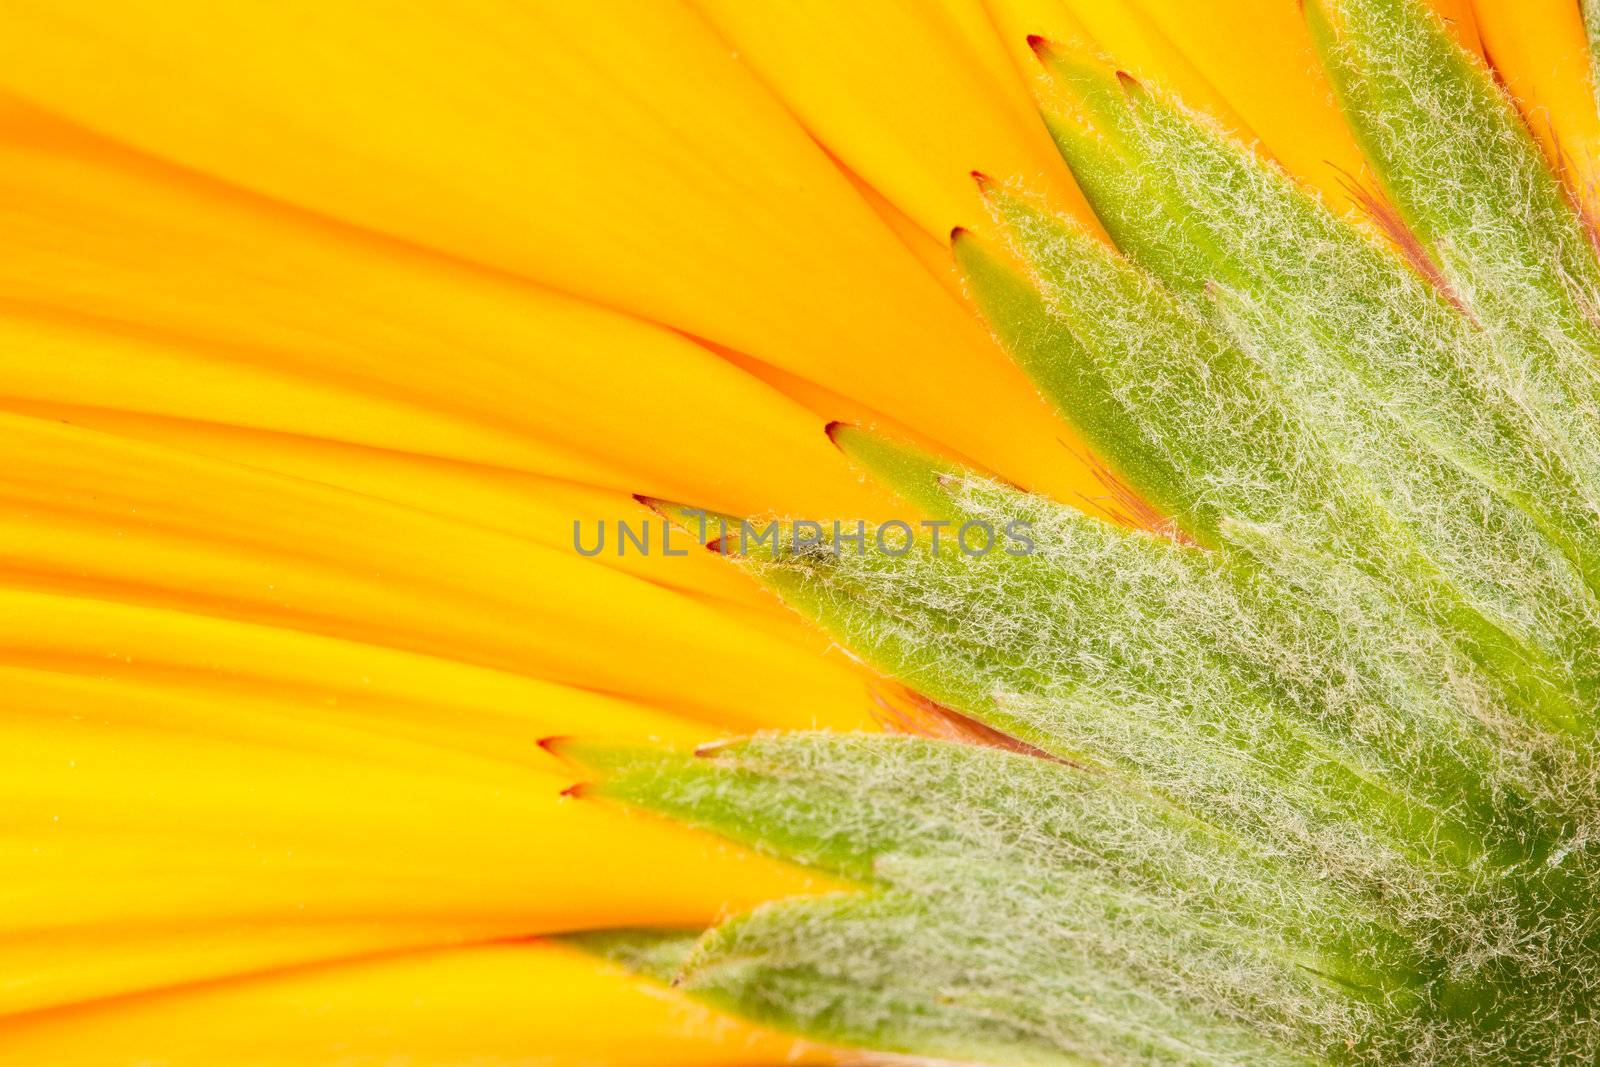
column 554, row 744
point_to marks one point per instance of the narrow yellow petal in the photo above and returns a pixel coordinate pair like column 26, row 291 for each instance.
column 1259, row 56
column 540, row 509
column 101, row 516
column 510, row 1005
column 1541, row 52
column 1119, row 30
column 369, row 722
column 932, row 253
column 59, row 967
column 136, row 808
column 745, row 234
column 972, row 26
column 829, row 404
column 899, row 99
column 304, row 679
column 1462, row 22
column 169, row 295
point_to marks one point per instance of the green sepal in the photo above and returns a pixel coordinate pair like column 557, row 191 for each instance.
column 948, row 835
column 1456, row 158
column 711, row 791
column 1069, row 375
column 1474, row 187
column 913, row 475
column 1440, row 487
column 656, row 954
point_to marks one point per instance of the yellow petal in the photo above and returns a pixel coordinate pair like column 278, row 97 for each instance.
column 1119, row 30
column 896, row 94
column 59, row 967
column 1259, row 56
column 102, row 516
column 931, row 252
column 168, row 295
column 348, row 687
column 543, row 510
column 521, row 1005
column 433, row 131
column 1462, row 22
column 1541, row 51
column 972, row 25
column 135, row 807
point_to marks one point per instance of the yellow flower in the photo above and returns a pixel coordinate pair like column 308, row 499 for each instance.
column 321, row 324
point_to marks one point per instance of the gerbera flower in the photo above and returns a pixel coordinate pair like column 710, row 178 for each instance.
column 376, row 376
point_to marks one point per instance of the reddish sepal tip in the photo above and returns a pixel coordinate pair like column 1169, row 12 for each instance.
column 553, row 743
column 720, row 546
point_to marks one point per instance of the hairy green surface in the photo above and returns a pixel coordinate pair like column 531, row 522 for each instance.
column 1307, row 767
column 1591, row 26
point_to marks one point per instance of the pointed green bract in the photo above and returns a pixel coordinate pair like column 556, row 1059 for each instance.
column 1286, row 704
column 1209, row 435
column 1433, row 475
column 1127, row 650
column 982, row 857
column 1467, row 175
column 1074, row 380
column 1474, row 187
column 657, row 954
column 1309, row 772
column 914, row 476
column 925, row 974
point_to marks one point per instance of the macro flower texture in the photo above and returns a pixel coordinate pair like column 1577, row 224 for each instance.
column 733, row 533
